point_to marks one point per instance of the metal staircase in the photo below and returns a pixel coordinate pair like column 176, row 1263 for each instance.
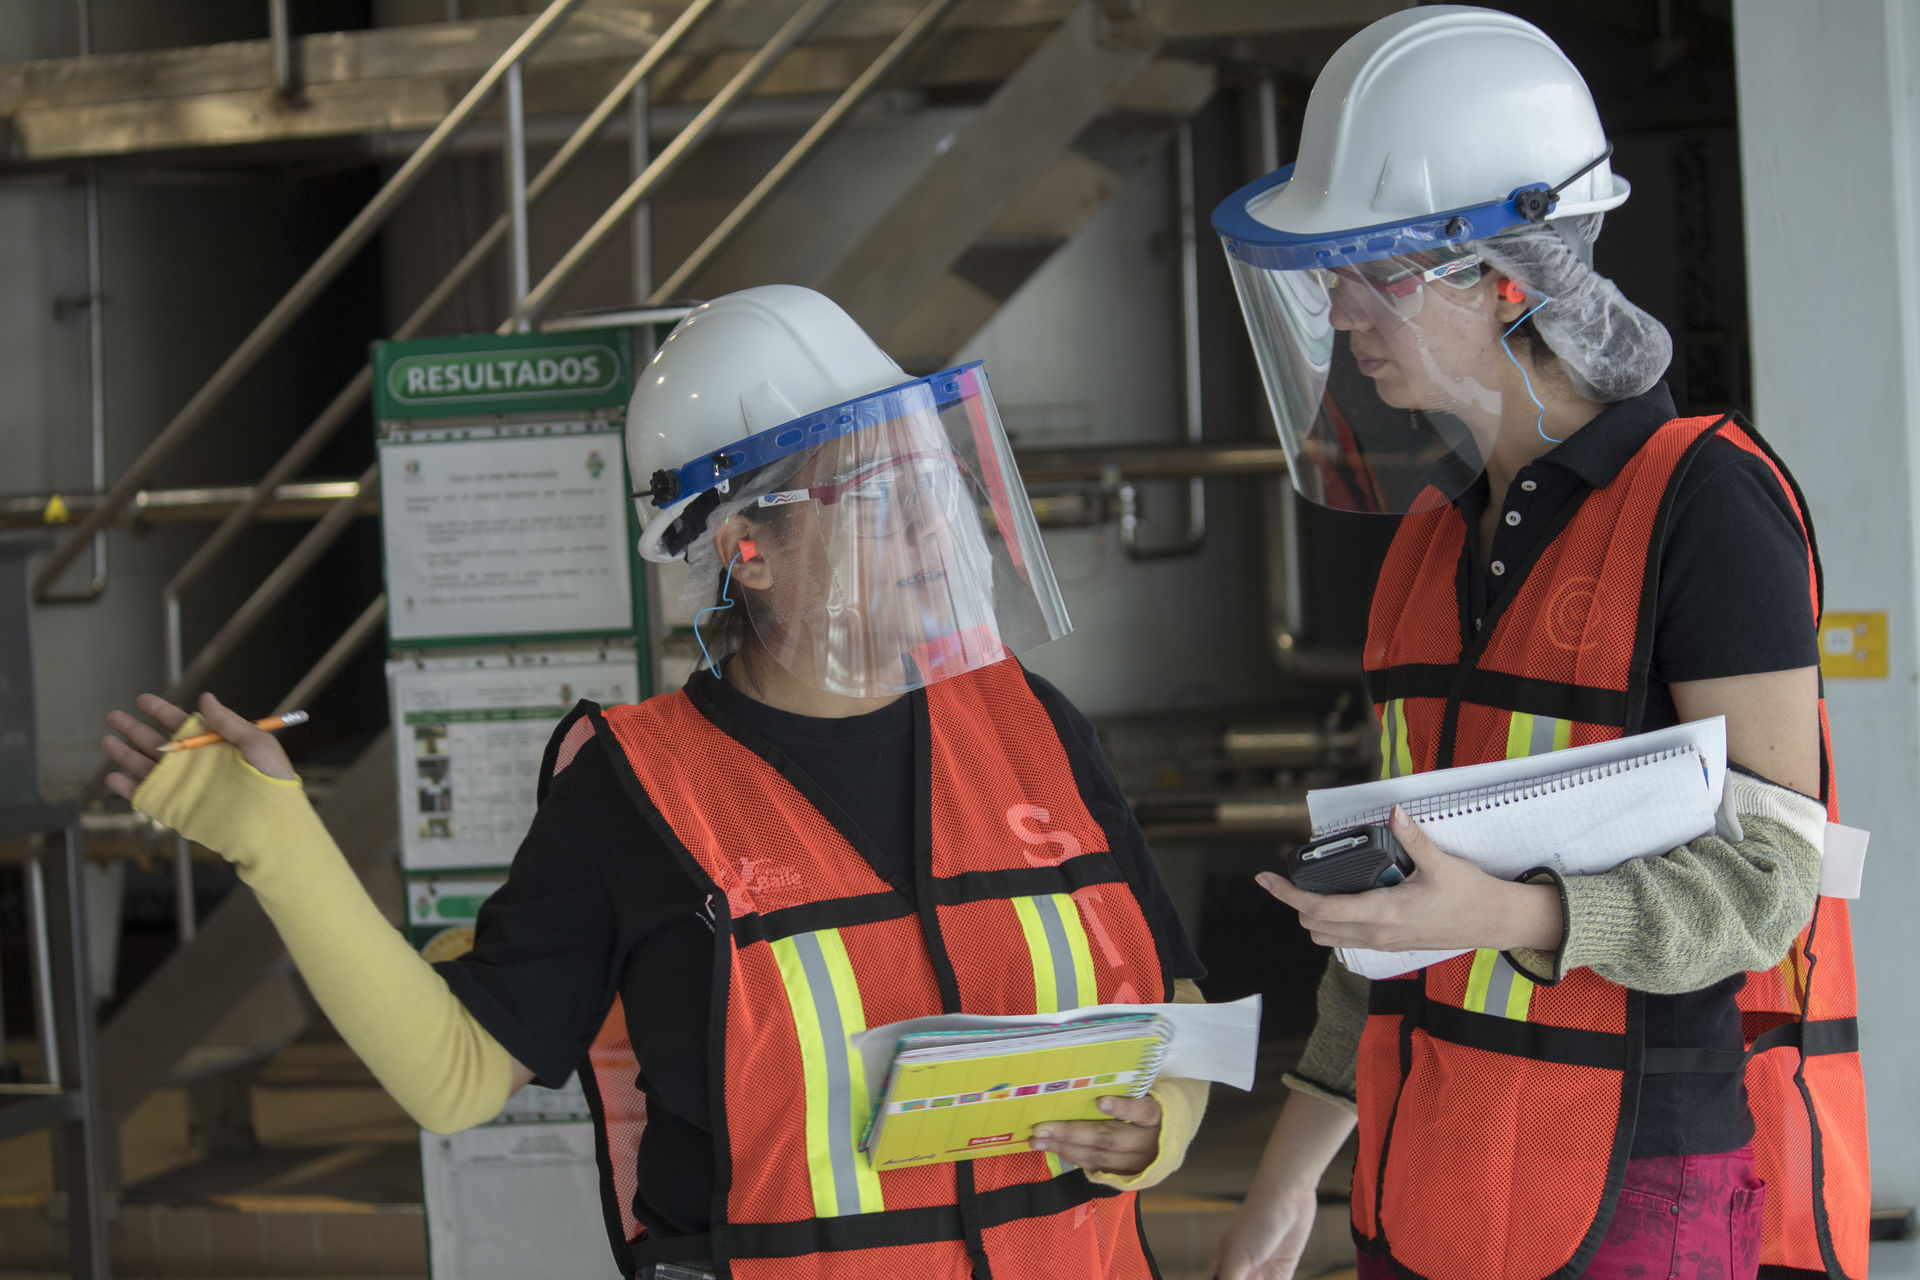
column 1079, row 93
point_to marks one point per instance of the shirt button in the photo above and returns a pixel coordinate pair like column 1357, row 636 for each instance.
column 1498, row 567
column 1513, row 517
column 1528, row 485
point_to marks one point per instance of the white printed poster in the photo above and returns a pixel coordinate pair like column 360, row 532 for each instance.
column 511, row 1201
column 470, row 733
column 506, row 536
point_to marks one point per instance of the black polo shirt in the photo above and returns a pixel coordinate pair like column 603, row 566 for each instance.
column 596, row 905
column 1732, row 601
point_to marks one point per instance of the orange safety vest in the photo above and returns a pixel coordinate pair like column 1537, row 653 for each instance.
column 1478, row 1087
column 1017, row 906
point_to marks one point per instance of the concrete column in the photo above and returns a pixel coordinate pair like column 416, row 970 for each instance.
column 1829, row 120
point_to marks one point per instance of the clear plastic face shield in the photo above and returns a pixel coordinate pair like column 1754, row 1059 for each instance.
column 892, row 543
column 1382, row 349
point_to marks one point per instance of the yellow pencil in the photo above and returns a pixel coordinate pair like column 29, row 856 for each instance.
column 270, row 724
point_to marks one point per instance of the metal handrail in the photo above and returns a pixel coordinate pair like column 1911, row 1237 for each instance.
column 350, row 397
column 829, row 122
column 307, row 501
column 329, row 529
column 333, row 525
column 296, row 300
column 1116, row 461
column 352, row 499
column 185, row 676
column 667, row 161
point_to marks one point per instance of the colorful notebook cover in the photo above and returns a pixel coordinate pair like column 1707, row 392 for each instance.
column 962, row 1095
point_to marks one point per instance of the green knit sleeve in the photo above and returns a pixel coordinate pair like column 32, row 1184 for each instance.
column 1704, row 911
column 1326, row 1068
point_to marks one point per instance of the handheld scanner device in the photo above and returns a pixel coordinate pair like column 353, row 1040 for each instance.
column 1349, row 861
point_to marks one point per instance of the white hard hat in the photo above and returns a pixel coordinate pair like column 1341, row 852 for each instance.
column 1465, row 116
column 737, row 366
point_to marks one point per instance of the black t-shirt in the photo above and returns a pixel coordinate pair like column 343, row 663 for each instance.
column 596, row 904
column 1732, row 600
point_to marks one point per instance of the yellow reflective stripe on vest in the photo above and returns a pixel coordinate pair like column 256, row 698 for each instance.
column 1529, row 735
column 1396, row 749
column 1062, row 964
column 1062, row 960
column 1496, row 987
column 826, row 1010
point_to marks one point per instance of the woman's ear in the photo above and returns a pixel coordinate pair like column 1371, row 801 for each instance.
column 1511, row 299
column 737, row 545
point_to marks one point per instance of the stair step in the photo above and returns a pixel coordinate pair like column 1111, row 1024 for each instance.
column 304, row 1236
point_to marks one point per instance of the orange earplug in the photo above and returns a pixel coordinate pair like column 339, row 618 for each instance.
column 748, row 551
column 1508, row 291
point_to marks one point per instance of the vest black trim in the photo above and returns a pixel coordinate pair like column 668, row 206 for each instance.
column 623, row 1249
column 831, row 913
column 1813, row 1038
column 938, row 1224
column 1540, row 1042
column 1580, row 1048
column 1079, row 872
column 1498, row 688
column 582, row 710
column 1822, row 1228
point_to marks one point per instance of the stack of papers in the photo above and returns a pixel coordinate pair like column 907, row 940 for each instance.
column 960, row 1095
column 983, row 1055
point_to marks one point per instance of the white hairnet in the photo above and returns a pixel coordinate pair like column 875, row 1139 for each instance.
column 1611, row 349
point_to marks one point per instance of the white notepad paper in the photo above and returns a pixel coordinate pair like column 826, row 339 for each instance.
column 1579, row 811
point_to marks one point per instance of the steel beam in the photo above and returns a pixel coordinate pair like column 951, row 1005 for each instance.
column 370, row 82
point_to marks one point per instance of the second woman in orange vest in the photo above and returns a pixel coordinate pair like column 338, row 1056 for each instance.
column 865, row 811
column 1651, row 1072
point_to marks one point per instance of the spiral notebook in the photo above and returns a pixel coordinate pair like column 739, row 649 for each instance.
column 1580, row 811
column 961, row 1095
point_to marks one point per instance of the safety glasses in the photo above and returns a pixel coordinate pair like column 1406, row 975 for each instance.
column 885, row 497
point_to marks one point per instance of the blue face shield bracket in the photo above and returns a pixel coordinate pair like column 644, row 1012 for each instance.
column 1259, row 245
column 716, row 469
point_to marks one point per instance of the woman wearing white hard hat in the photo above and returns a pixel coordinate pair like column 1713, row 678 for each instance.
column 1635, row 1073
column 865, row 811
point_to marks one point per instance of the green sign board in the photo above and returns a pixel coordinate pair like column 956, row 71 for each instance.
column 514, row 375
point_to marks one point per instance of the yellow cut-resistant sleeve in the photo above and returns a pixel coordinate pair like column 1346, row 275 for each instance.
column 387, row 1003
column 1182, row 1105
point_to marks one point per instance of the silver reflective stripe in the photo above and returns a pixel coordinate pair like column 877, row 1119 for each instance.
column 833, row 1033
column 1540, row 741
column 1066, row 982
column 1500, row 985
